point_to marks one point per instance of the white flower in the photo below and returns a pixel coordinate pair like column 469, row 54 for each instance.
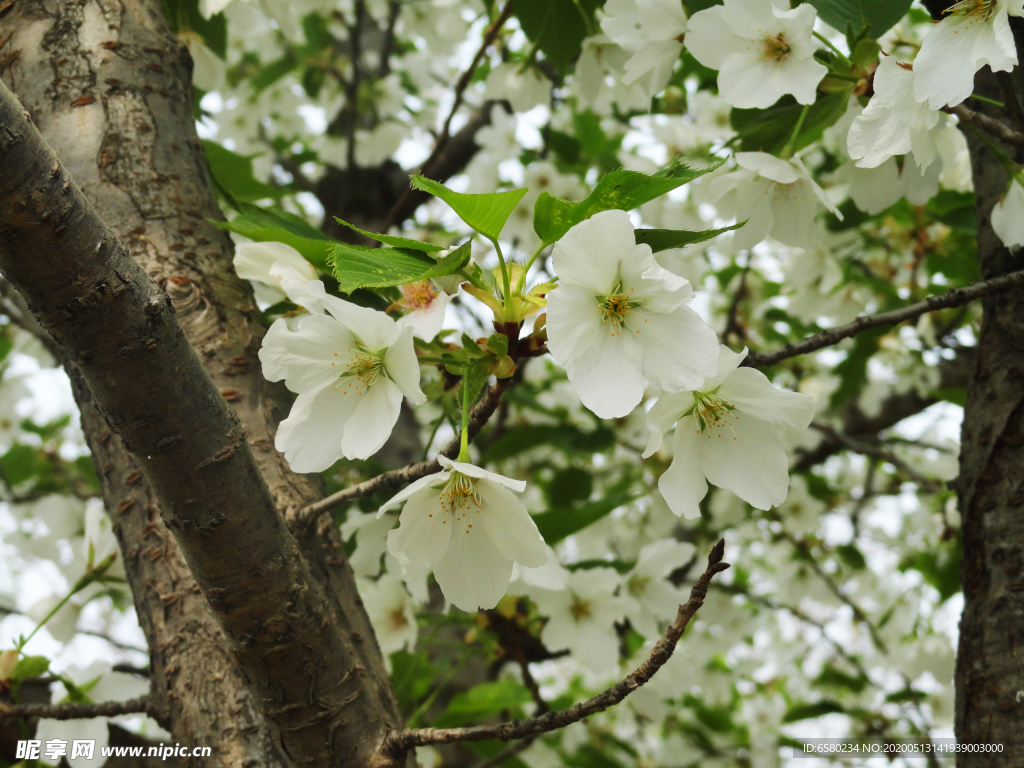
column 582, row 616
column 875, row 189
column 425, row 308
column 975, row 33
column 652, row 30
column 727, row 432
column 350, row 368
column 275, row 268
column 390, row 610
column 777, row 197
column 655, row 596
column 523, row 90
column 760, row 51
column 465, row 525
column 617, row 319
column 893, row 122
column 1008, row 215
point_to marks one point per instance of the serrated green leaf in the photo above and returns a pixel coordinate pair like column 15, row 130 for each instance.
column 397, row 242
column 276, row 225
column 232, row 174
column 769, row 130
column 879, row 16
column 557, row 27
column 356, row 266
column 663, row 239
column 30, row 666
column 486, row 214
column 622, row 190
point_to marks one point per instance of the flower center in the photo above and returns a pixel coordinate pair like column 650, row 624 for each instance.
column 616, row 306
column 979, row 9
column 362, row 370
column 775, row 48
column 714, row 414
column 637, row 585
column 459, row 497
column 398, row 619
column 415, row 296
column 579, row 608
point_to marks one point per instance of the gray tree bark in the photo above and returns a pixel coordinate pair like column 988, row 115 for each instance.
column 109, row 87
column 990, row 672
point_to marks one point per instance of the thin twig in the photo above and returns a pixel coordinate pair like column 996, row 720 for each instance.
column 398, row 742
column 866, row 449
column 396, row 478
column 388, row 44
column 352, row 93
column 990, row 125
column 76, row 710
column 1010, row 98
column 732, row 325
column 490, row 34
column 953, row 298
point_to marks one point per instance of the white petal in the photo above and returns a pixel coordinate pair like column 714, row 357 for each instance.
column 422, row 536
column 374, row 329
column 403, row 368
column 589, row 254
column 663, row 415
column 679, row 349
column 1008, row 217
column 426, row 323
column 310, row 437
column 607, row 376
column 472, row 470
column 769, row 166
column 308, row 358
column 745, row 82
column 751, row 392
column 435, row 480
column 370, row 424
column 298, row 287
column 659, row 559
column 511, row 529
column 253, row 261
column 682, row 484
column 473, row 572
column 574, row 321
column 728, row 361
column 709, row 38
column 747, row 459
column 658, row 54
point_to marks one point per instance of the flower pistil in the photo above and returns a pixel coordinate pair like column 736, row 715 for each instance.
column 713, row 413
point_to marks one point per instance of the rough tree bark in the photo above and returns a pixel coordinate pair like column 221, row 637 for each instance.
column 110, row 89
column 990, row 671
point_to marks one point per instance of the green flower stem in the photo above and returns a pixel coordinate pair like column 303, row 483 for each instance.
column 787, row 151
column 1011, row 168
column 526, row 267
column 46, row 618
column 428, row 359
column 984, row 100
column 842, row 56
column 504, row 274
column 464, row 439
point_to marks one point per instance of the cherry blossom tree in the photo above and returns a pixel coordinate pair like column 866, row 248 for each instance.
column 541, row 382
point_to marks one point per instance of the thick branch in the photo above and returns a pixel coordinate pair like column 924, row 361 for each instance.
column 397, row 743
column 73, row 710
column 953, row 298
column 119, row 330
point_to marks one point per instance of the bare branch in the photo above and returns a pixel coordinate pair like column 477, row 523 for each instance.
column 1010, row 98
column 866, row 449
column 397, row 743
column 75, row 710
column 990, row 125
column 953, row 298
column 490, row 34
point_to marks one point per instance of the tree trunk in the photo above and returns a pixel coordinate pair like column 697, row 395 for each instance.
column 990, row 671
column 109, row 88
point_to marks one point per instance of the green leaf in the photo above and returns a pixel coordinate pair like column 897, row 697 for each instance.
column 554, row 525
column 940, row 566
column 565, row 437
column 482, row 701
column 184, row 16
column 877, row 15
column 557, row 27
column 622, row 190
column 663, row 239
column 852, row 556
column 769, row 130
column 486, row 214
column 19, row 464
column 232, row 173
column 807, row 711
column 853, row 370
column 831, row 677
column 356, row 266
column 569, row 486
column 275, row 225
column 30, row 666
column 398, row 242
column 273, row 72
